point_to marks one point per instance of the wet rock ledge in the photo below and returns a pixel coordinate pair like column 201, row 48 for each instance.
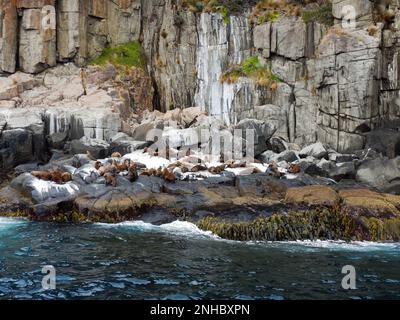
column 258, row 206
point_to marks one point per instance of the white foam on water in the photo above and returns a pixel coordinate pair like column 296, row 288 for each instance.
column 338, row 245
column 181, row 228
column 187, row 229
column 7, row 224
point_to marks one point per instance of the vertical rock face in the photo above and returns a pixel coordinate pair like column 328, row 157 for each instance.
column 68, row 29
column 8, row 35
column 169, row 38
column 219, row 46
column 342, row 9
column 37, row 41
column 124, row 21
column 334, row 84
column 348, row 87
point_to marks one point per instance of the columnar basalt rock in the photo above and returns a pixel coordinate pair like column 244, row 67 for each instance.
column 8, row 35
column 37, row 35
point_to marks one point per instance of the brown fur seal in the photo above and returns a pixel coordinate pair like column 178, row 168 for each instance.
column 116, row 155
column 56, row 176
column 198, row 168
column 98, row 165
column 168, row 176
column 66, row 177
column 132, row 173
column 42, row 175
column 217, row 170
column 111, row 180
column 294, row 168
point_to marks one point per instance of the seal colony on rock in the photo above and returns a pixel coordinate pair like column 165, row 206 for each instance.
column 56, row 176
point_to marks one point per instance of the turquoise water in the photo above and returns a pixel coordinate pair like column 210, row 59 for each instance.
column 178, row 261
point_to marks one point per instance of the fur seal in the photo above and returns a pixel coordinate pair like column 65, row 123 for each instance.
column 294, row 168
column 111, row 180
column 116, row 155
column 132, row 173
column 217, row 170
column 56, row 176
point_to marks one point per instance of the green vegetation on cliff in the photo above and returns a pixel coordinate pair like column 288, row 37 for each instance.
column 130, row 54
column 322, row 14
column 265, row 10
column 251, row 68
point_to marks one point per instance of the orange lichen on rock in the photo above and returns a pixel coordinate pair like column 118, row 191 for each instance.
column 370, row 200
column 312, row 195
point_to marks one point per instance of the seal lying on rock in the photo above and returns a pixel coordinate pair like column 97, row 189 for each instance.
column 273, row 170
column 56, row 176
column 111, row 180
column 165, row 174
column 116, row 155
column 294, row 168
column 217, row 169
column 112, row 168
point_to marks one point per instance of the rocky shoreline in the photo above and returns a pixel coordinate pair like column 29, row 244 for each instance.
column 104, row 163
column 240, row 201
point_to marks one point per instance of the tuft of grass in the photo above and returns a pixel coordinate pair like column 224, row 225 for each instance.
column 221, row 7
column 251, row 68
column 268, row 16
column 224, row 12
column 130, row 55
column 322, row 15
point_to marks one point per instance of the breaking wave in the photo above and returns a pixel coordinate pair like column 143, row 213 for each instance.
column 187, row 229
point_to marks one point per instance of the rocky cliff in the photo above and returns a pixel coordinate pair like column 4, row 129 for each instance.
column 323, row 82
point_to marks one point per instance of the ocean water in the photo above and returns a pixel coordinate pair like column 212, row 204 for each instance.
column 135, row 260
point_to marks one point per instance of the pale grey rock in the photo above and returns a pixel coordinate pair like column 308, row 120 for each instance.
column 381, row 173
column 261, row 130
column 363, row 10
column 99, row 149
column 316, row 150
column 288, row 156
column 37, row 43
column 8, row 89
column 45, row 191
column 267, row 156
column 8, row 36
column 384, row 141
column 345, row 170
column 125, row 144
column 262, row 39
column 16, row 147
column 289, row 38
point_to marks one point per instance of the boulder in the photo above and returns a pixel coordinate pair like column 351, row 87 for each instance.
column 316, row 150
column 288, row 156
column 125, row 144
column 44, row 191
column 143, row 131
column 57, row 140
column 8, row 89
column 342, row 171
column 189, row 115
column 267, row 156
column 16, row 147
column 261, row 130
column 277, row 145
column 98, row 149
column 177, row 138
column 339, row 158
column 381, row 173
column 384, row 141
